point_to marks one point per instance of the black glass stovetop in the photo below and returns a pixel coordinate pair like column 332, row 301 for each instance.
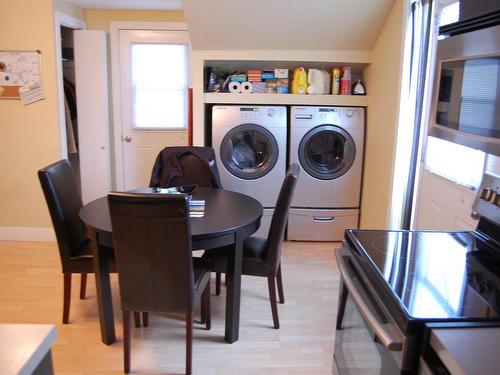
column 434, row 275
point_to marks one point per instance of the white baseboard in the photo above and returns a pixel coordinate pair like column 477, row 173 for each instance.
column 27, row 234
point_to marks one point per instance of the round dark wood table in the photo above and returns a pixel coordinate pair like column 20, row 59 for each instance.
column 228, row 218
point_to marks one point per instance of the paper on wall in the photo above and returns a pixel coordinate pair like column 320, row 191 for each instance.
column 31, row 94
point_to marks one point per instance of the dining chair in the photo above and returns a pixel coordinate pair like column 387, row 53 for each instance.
column 156, row 270
column 262, row 256
column 185, row 165
column 64, row 203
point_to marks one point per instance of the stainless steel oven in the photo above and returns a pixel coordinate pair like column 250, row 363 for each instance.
column 466, row 93
column 395, row 282
column 367, row 340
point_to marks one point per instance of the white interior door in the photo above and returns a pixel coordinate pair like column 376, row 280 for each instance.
column 91, row 76
column 154, row 81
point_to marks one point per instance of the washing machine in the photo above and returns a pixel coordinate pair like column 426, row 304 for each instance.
column 328, row 144
column 250, row 147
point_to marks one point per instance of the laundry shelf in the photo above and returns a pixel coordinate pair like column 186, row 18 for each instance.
column 290, row 99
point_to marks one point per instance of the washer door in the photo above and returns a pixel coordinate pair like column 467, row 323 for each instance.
column 327, row 152
column 249, row 151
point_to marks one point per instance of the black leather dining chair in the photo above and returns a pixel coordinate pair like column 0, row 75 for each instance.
column 185, row 165
column 156, row 270
column 262, row 256
column 64, row 203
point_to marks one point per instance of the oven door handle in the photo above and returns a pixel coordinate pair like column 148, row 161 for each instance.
column 387, row 333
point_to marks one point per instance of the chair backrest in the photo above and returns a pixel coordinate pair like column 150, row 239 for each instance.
column 152, row 242
column 194, row 171
column 280, row 217
column 185, row 165
column 64, row 202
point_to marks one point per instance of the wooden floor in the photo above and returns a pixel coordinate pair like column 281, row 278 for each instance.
column 31, row 292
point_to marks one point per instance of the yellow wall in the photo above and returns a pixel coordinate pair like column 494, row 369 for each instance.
column 29, row 135
column 100, row 19
column 383, row 81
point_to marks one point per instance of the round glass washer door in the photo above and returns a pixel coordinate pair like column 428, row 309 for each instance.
column 249, row 151
column 327, row 152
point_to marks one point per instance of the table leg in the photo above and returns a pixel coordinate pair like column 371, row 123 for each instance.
column 233, row 282
column 103, row 289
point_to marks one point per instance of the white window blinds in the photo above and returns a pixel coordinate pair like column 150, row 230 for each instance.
column 159, row 86
column 457, row 163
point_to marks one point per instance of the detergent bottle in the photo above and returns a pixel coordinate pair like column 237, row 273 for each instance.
column 318, row 82
column 299, row 82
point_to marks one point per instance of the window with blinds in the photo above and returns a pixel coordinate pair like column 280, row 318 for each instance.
column 159, row 86
column 479, row 113
column 460, row 164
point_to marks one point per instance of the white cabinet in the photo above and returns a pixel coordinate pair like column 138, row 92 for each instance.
column 91, row 71
column 443, row 204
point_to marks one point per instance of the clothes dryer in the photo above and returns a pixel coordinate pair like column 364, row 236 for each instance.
column 328, row 145
column 250, row 147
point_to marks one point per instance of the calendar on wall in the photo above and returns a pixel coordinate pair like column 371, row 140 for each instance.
column 21, row 75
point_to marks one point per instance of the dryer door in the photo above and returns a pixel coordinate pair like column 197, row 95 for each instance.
column 249, row 151
column 327, row 152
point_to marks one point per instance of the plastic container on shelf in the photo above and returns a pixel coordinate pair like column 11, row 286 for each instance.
column 336, row 74
column 299, row 82
column 345, row 81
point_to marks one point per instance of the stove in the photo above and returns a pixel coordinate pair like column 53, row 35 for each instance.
column 434, row 275
column 395, row 282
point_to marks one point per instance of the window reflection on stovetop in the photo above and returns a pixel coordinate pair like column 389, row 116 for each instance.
column 434, row 275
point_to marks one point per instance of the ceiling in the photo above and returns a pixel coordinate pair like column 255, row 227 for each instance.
column 271, row 24
column 128, row 4
column 285, row 24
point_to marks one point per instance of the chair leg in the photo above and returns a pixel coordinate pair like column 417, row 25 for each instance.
column 279, row 281
column 205, row 307
column 189, row 342
column 217, row 283
column 137, row 319
column 203, row 311
column 126, row 341
column 272, row 297
column 67, row 297
column 145, row 318
column 83, row 285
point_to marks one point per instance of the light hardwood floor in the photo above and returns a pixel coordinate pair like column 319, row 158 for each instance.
column 31, row 292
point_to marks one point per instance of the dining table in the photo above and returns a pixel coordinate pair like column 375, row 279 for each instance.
column 218, row 218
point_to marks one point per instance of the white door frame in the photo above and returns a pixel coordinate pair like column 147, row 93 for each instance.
column 119, row 177
column 62, row 19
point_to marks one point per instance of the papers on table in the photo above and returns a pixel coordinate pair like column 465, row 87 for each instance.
column 171, row 190
column 196, row 208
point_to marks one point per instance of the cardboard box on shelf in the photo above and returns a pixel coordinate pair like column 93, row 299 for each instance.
column 259, row 87
column 282, row 86
column 271, row 86
column 281, row 73
column 267, row 74
column 254, row 75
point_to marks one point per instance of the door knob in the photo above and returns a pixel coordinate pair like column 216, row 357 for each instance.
column 128, row 138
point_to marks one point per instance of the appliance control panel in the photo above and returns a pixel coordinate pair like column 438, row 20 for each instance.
column 329, row 115
column 487, row 202
column 255, row 113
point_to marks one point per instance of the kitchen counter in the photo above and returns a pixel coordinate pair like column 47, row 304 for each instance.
column 468, row 350
column 26, row 348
